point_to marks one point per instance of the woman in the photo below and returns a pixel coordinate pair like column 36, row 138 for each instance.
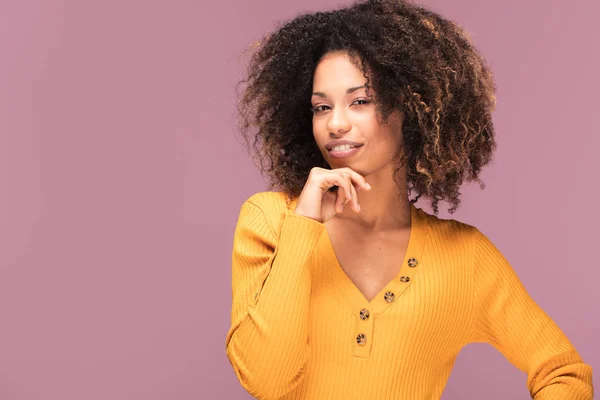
column 342, row 288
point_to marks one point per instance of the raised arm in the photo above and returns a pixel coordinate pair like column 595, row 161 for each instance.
column 505, row 316
column 267, row 341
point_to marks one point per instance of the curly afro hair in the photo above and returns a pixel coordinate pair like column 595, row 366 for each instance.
column 415, row 60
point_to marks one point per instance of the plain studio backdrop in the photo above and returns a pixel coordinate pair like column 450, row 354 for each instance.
column 122, row 179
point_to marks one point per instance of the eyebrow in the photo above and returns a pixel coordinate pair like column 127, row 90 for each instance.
column 350, row 90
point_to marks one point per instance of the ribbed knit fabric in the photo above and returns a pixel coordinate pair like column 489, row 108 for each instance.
column 296, row 316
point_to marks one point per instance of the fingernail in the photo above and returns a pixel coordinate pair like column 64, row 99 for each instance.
column 369, row 186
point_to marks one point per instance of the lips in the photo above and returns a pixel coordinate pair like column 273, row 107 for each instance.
column 330, row 145
column 345, row 153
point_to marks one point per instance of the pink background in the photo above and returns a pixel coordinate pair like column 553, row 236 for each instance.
column 121, row 181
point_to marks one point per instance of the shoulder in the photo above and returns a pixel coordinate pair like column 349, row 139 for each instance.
column 458, row 237
column 272, row 206
column 454, row 239
column 450, row 231
column 270, row 202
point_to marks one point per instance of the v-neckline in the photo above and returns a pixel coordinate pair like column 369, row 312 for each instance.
column 395, row 287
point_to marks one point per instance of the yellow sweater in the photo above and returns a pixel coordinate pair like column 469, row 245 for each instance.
column 300, row 328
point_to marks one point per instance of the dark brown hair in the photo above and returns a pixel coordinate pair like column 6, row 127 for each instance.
column 417, row 62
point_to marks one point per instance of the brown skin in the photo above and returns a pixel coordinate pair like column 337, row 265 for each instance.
column 417, row 63
column 317, row 203
column 368, row 240
column 353, row 116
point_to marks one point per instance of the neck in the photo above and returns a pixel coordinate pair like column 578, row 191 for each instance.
column 383, row 208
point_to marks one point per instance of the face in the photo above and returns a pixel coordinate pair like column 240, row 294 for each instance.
column 342, row 111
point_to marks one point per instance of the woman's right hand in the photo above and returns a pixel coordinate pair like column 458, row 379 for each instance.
column 319, row 203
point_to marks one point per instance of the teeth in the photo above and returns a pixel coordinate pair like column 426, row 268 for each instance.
column 342, row 147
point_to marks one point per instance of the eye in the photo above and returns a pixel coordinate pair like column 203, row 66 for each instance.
column 358, row 102
column 318, row 108
column 361, row 102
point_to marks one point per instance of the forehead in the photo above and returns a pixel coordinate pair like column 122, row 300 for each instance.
column 337, row 71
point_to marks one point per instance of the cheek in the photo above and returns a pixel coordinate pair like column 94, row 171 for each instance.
column 386, row 140
column 319, row 128
column 368, row 123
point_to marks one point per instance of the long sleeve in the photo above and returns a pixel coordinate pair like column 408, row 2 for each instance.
column 267, row 341
column 505, row 316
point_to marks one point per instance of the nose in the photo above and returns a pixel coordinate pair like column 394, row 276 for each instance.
column 338, row 121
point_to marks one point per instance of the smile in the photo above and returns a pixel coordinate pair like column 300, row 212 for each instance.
column 343, row 151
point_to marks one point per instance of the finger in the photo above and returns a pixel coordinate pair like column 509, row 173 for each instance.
column 340, row 199
column 353, row 196
column 357, row 179
column 333, row 179
column 344, row 190
column 348, row 192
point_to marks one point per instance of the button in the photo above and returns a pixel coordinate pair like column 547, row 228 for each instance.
column 389, row 297
column 364, row 314
column 412, row 262
column 404, row 279
column 361, row 339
